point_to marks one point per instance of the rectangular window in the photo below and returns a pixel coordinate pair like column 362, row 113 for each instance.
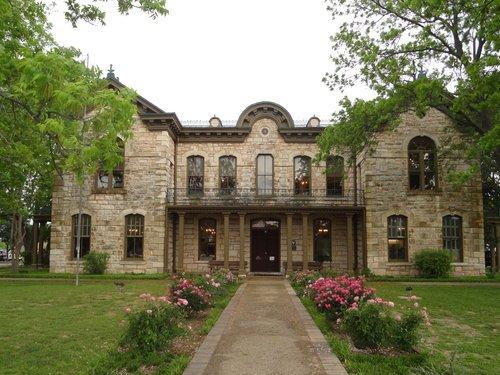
column 452, row 236
column 84, row 234
column 112, row 180
column 302, row 173
column 397, row 238
column 134, row 236
column 207, row 239
column 195, row 169
column 335, row 176
column 264, row 175
column 227, row 170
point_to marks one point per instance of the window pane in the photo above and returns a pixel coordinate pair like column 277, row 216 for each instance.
column 207, row 239
column 227, row 174
column 84, row 234
column 429, row 170
column 396, row 235
column 452, row 236
column 102, row 179
column 397, row 250
column 264, row 175
column 334, row 175
column 118, row 178
column 134, row 231
column 422, row 163
column 302, row 170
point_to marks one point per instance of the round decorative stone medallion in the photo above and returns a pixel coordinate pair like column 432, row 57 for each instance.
column 264, row 131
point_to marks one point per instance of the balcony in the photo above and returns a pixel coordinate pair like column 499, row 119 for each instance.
column 250, row 197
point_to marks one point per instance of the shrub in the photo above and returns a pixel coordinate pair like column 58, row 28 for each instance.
column 375, row 325
column 433, row 262
column 152, row 327
column 95, row 263
column 301, row 279
column 334, row 296
column 188, row 295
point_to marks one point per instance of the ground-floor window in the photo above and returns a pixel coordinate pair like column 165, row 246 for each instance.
column 207, row 239
column 322, row 231
column 397, row 229
column 84, row 234
column 134, row 232
column 452, row 236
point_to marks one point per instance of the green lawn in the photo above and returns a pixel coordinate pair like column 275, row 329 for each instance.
column 465, row 326
column 53, row 327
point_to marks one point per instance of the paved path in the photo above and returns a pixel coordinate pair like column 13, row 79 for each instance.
column 265, row 330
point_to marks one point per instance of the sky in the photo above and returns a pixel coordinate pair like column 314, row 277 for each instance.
column 216, row 57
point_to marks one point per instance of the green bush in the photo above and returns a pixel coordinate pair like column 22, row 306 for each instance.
column 153, row 327
column 95, row 263
column 376, row 326
column 433, row 263
column 370, row 326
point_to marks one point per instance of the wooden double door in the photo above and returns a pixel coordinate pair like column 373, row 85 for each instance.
column 265, row 245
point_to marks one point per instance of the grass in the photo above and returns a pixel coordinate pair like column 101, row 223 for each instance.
column 29, row 273
column 453, row 279
column 464, row 327
column 53, row 327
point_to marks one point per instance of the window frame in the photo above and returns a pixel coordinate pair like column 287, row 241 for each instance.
column 120, row 168
column 308, row 192
column 200, row 192
column 405, row 238
column 257, row 175
column 421, row 164
column 215, row 222
column 329, row 159
column 228, row 191
column 314, row 221
column 459, row 238
column 127, row 236
column 74, row 223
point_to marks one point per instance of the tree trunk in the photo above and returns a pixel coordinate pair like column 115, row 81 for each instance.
column 17, row 240
column 79, row 234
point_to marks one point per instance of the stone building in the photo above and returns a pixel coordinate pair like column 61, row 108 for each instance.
column 251, row 197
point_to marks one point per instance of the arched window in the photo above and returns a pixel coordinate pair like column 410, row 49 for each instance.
column 452, row 236
column 322, row 231
column 265, row 174
column 134, row 236
column 227, row 174
column 114, row 179
column 334, row 175
column 397, row 237
column 207, row 239
column 84, row 234
column 422, row 164
column 302, row 175
column 195, row 172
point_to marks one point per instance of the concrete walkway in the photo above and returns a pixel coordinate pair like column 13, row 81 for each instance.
column 265, row 330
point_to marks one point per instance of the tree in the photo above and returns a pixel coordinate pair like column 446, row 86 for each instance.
column 418, row 54
column 57, row 117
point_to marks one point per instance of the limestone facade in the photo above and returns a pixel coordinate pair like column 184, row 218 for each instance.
column 155, row 186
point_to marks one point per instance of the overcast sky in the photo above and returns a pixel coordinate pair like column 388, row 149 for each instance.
column 218, row 56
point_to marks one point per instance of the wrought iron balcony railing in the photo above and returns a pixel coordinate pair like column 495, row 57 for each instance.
column 262, row 197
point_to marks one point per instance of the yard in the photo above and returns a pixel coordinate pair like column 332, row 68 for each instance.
column 464, row 331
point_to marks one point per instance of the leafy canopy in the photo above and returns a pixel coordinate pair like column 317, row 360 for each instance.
column 418, row 54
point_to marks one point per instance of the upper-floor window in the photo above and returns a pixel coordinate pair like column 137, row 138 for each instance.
column 452, row 236
column 322, row 230
column 227, row 174
column 85, row 227
column 114, row 179
column 397, row 237
column 195, row 174
column 335, row 175
column 134, row 236
column 422, row 164
column 265, row 175
column 302, row 175
column 207, row 239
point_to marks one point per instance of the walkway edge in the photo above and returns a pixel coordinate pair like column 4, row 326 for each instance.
column 329, row 360
column 202, row 357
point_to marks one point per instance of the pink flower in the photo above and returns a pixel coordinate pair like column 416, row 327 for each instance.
column 398, row 317
column 390, row 304
column 182, row 301
column 149, row 311
column 415, row 304
column 127, row 310
column 338, row 321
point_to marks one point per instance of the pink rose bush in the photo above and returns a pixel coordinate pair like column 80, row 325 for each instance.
column 335, row 296
column 187, row 294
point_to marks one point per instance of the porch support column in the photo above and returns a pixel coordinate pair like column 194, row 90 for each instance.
column 305, row 241
column 165, row 243
column 350, row 242
column 226, row 240
column 289, row 256
column 180, row 243
column 241, row 269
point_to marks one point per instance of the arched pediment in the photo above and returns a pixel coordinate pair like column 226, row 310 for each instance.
column 262, row 110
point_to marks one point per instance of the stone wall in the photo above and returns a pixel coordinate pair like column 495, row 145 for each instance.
column 148, row 173
column 384, row 175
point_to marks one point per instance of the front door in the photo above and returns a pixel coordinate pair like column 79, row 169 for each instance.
column 265, row 245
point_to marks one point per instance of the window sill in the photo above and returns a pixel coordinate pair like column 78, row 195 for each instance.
column 139, row 260
column 401, row 264
column 109, row 191
column 424, row 192
column 201, row 261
